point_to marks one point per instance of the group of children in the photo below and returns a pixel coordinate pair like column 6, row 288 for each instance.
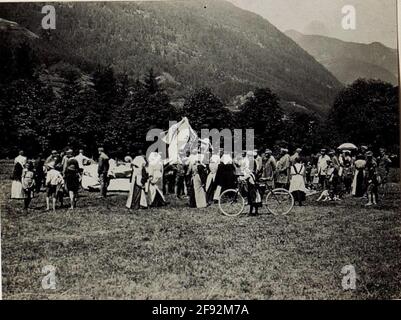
column 58, row 175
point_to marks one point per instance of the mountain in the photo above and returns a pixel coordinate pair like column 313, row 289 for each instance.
column 188, row 43
column 349, row 61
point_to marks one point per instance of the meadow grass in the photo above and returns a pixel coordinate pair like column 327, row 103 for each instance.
column 102, row 250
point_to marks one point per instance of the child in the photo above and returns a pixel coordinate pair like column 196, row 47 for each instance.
column 180, row 180
column 332, row 181
column 54, row 182
column 254, row 197
column 315, row 177
column 28, row 184
column 373, row 180
column 297, row 183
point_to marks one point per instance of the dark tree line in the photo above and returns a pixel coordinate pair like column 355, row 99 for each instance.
column 42, row 109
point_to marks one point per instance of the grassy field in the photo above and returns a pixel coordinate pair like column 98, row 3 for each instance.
column 104, row 251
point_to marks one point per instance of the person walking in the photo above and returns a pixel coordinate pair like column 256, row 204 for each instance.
column 54, row 182
column 72, row 180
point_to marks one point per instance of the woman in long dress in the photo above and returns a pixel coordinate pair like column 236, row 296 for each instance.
column 358, row 184
column 297, row 183
column 137, row 197
column 16, row 185
column 225, row 175
column 211, row 179
column 155, row 173
column 72, row 180
column 197, row 194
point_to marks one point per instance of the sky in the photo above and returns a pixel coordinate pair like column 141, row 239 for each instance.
column 375, row 19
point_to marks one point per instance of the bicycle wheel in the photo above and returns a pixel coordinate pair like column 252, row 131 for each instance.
column 231, row 203
column 279, row 201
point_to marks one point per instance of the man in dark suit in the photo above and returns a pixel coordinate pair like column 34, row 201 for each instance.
column 103, row 169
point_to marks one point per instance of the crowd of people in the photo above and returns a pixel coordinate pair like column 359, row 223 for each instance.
column 201, row 178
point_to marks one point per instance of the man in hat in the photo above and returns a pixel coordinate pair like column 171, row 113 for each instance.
column 364, row 150
column 334, row 159
column 258, row 164
column 283, row 169
column 322, row 166
column 55, row 158
column 269, row 168
column 295, row 156
column 68, row 156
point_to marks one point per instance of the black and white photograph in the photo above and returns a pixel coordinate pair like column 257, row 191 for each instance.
column 200, row 150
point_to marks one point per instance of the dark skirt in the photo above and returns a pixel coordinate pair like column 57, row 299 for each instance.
column 136, row 198
column 254, row 195
column 211, row 191
column 72, row 181
column 225, row 176
column 158, row 201
column 299, row 196
column 360, row 184
column 191, row 195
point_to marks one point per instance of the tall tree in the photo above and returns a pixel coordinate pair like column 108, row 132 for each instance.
column 262, row 113
column 367, row 112
column 206, row 111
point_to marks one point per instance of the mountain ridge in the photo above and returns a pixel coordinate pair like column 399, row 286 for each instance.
column 212, row 43
column 349, row 61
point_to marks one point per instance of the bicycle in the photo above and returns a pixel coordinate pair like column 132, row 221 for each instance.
column 278, row 201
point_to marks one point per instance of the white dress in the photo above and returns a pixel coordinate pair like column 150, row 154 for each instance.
column 297, row 178
column 17, row 191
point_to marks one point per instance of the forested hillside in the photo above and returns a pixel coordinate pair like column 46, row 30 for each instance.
column 191, row 44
